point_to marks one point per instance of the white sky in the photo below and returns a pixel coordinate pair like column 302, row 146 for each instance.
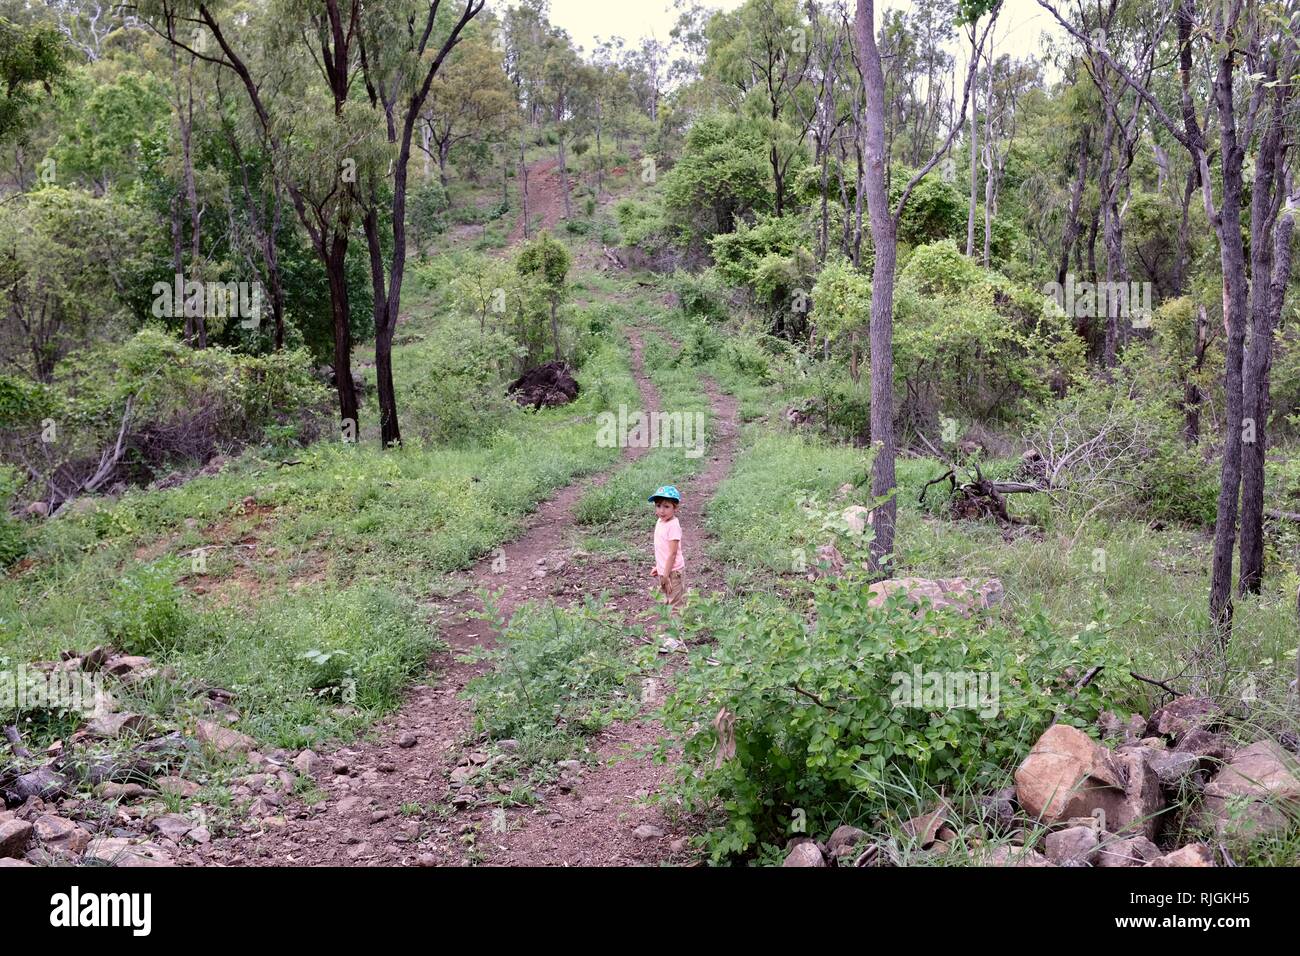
column 1020, row 24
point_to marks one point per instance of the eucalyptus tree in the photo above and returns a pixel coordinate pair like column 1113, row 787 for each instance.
column 884, row 218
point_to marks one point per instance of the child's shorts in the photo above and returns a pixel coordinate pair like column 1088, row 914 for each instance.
column 673, row 587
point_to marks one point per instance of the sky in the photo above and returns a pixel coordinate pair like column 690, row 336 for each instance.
column 1020, row 24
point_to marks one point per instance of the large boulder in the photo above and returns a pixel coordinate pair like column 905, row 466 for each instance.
column 1068, row 774
column 547, row 385
column 1256, row 793
column 960, row 594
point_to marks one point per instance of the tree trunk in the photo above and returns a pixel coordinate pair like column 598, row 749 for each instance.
column 1232, row 258
column 340, row 310
column 974, row 156
column 1072, row 225
column 1191, row 388
column 1270, row 272
column 884, row 235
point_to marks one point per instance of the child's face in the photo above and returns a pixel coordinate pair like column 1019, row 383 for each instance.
column 665, row 509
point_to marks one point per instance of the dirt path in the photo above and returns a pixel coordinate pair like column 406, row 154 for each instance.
column 545, row 200
column 408, row 758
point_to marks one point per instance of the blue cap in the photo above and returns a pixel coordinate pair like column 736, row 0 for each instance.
column 667, row 491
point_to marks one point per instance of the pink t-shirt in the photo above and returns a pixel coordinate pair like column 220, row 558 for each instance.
column 666, row 531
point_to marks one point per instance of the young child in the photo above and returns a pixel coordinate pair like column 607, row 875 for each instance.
column 670, row 565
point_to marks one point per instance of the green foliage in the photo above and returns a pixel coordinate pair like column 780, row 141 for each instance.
column 31, row 58
column 65, row 258
column 13, row 539
column 975, row 342
column 841, row 299
column 700, row 295
column 823, row 718
column 935, row 210
column 722, row 176
column 759, row 256
column 555, row 673
column 545, row 261
column 426, row 210
column 145, row 614
column 1126, row 452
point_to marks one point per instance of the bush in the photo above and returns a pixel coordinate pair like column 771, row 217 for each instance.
column 13, row 539
column 145, row 612
column 555, row 672
column 723, row 175
column 1114, row 449
column 823, row 718
column 700, row 295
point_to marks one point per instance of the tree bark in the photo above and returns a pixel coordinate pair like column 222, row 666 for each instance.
column 884, row 235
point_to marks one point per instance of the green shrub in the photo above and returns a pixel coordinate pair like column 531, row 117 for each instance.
column 700, row 295
column 555, row 672
column 824, row 717
column 145, row 614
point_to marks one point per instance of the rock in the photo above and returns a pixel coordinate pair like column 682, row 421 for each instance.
column 126, row 664
column 7, row 861
column 572, row 766
column 648, row 831
column 1067, row 774
column 360, row 850
column 200, row 835
column 1204, row 743
column 829, row 562
column 805, row 854
column 15, row 835
column 118, row 851
column 1194, row 854
column 1128, row 851
column 998, row 811
column 844, row 842
column 176, row 786
column 1076, row 846
column 857, row 517
column 924, row 830
column 1256, row 793
column 111, row 726
column 1061, row 768
column 122, row 791
column 349, row 804
column 1014, row 856
column 61, row 835
column 960, row 594
column 42, row 783
column 1182, row 715
column 509, row 745
column 462, row 775
column 224, row 740
column 1172, row 766
column 173, row 826
column 407, row 741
